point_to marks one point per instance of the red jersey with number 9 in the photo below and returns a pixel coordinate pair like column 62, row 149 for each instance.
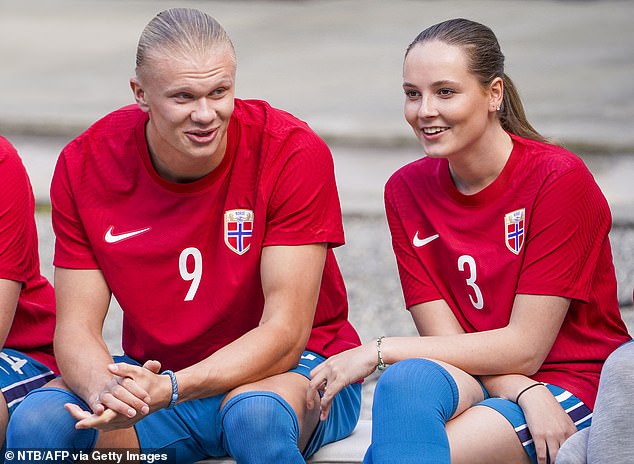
column 183, row 260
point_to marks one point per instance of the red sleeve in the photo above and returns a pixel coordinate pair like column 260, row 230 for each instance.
column 569, row 224
column 304, row 205
column 72, row 247
column 16, row 205
column 415, row 281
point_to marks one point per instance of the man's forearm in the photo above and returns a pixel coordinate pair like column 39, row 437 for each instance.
column 258, row 354
column 83, row 358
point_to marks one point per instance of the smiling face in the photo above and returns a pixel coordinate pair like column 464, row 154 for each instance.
column 190, row 100
column 446, row 105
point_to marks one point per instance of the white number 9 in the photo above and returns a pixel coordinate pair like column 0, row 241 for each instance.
column 193, row 276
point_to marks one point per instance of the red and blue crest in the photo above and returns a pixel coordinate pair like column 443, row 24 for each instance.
column 515, row 230
column 238, row 230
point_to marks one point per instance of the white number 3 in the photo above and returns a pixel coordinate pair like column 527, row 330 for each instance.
column 478, row 303
column 193, row 276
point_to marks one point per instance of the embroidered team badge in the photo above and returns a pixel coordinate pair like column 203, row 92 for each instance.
column 238, row 230
column 515, row 230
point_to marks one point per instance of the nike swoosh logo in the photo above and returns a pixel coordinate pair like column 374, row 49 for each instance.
column 421, row 242
column 112, row 238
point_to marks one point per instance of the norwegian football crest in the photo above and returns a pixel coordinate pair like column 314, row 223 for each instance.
column 238, row 230
column 515, row 230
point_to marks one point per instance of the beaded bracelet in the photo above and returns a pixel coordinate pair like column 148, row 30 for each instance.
column 174, row 388
column 526, row 389
column 381, row 365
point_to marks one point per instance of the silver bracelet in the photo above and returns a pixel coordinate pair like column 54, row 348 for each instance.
column 381, row 365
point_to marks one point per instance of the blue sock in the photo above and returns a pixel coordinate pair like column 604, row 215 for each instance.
column 413, row 401
column 261, row 427
column 41, row 421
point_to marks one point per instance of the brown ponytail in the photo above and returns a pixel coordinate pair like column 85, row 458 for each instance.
column 486, row 61
column 512, row 115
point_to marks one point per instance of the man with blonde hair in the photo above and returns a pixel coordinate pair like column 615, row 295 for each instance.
column 212, row 221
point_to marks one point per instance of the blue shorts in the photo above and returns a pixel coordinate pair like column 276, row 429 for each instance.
column 194, row 429
column 19, row 374
column 580, row 414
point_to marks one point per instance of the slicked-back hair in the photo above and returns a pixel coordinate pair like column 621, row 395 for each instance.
column 181, row 32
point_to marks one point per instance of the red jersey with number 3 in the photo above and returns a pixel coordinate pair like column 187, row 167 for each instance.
column 183, row 260
column 34, row 321
column 540, row 228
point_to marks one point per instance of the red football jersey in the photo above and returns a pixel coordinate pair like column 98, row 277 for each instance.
column 34, row 321
column 540, row 228
column 183, row 260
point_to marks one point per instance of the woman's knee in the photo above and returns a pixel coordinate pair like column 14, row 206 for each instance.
column 418, row 383
column 410, row 373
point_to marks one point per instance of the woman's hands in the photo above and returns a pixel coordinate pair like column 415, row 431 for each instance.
column 132, row 393
column 339, row 371
column 548, row 423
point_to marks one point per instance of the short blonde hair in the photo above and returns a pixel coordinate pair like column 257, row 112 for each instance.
column 182, row 32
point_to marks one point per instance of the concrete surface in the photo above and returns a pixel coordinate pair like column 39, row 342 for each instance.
column 335, row 63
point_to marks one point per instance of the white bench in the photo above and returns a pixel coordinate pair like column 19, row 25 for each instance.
column 350, row 450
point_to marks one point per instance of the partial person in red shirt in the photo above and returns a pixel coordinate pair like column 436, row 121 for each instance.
column 501, row 241
column 27, row 300
column 212, row 221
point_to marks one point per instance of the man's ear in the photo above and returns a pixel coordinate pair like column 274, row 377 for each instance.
column 139, row 94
